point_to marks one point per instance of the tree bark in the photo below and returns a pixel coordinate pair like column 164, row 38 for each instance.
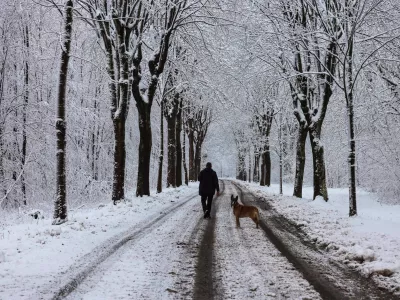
column 300, row 160
column 2, row 175
column 171, row 171
column 60, row 203
column 178, row 146
column 95, row 137
column 161, row 157
column 264, row 124
column 241, row 167
column 243, row 173
column 3, row 189
column 266, row 166
column 249, row 167
column 350, row 113
column 118, row 192
column 192, row 171
column 184, row 156
column 143, row 181
column 118, row 72
column 197, row 159
column 25, row 106
column 267, row 156
column 156, row 67
column 262, row 170
column 256, row 169
column 317, row 149
column 352, row 160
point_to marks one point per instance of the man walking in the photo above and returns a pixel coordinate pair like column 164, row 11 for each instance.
column 208, row 184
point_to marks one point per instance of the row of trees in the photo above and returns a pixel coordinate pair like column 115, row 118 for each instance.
column 113, row 52
column 323, row 50
column 234, row 71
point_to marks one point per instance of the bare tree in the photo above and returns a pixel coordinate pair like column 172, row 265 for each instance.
column 263, row 119
column 24, row 109
column 242, row 148
column 201, row 121
column 168, row 16
column 60, row 203
column 120, row 26
column 161, row 155
column 315, row 32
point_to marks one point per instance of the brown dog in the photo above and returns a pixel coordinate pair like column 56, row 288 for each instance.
column 243, row 211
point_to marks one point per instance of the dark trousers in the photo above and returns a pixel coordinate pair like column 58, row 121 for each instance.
column 207, row 206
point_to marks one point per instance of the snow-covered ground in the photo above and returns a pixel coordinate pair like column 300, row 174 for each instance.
column 159, row 238
column 248, row 266
column 158, row 258
column 369, row 242
column 33, row 252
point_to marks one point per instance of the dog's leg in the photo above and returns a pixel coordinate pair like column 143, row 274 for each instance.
column 256, row 218
column 237, row 222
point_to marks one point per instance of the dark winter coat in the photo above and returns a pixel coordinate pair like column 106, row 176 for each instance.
column 208, row 182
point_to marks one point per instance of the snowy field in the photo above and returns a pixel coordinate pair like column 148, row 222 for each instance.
column 369, row 242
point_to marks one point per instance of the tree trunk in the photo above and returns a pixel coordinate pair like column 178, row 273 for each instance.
column 197, row 160
column 350, row 114
column 184, row 155
column 244, row 171
column 262, row 171
column 352, row 160
column 192, row 171
column 118, row 192
column 161, row 157
column 266, row 166
column 317, row 148
column 3, row 189
column 256, row 169
column 13, row 155
column 95, row 138
column 241, row 172
column 178, row 147
column 26, row 99
column 249, row 167
column 60, row 203
column 300, row 161
column 143, row 184
column 267, row 156
column 171, row 175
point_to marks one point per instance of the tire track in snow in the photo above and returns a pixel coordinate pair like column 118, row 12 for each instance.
column 157, row 265
column 203, row 286
column 69, row 280
column 248, row 266
column 332, row 280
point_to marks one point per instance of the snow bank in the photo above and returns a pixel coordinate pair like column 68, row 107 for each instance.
column 33, row 251
column 368, row 242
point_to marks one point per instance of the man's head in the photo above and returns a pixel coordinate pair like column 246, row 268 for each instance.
column 208, row 165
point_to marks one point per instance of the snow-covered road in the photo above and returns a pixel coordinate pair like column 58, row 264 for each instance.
column 165, row 261
column 157, row 265
column 247, row 264
column 168, row 251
